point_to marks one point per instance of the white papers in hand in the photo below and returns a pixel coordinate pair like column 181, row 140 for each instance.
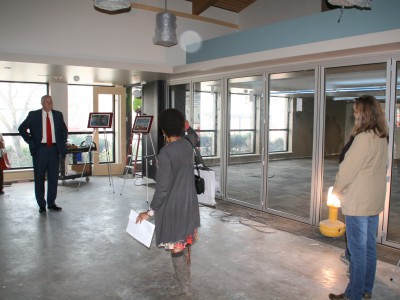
column 142, row 232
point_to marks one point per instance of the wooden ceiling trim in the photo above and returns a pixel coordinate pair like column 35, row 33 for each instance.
column 185, row 15
column 199, row 6
column 233, row 5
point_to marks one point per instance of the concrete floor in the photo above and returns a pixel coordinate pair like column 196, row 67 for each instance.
column 84, row 252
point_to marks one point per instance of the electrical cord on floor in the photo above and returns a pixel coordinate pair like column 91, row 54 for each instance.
column 256, row 222
column 228, row 217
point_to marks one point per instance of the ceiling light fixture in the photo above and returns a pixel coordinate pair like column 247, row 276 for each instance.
column 350, row 3
column 165, row 33
column 112, row 6
column 364, row 4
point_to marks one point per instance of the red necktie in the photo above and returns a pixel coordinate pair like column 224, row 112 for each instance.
column 48, row 132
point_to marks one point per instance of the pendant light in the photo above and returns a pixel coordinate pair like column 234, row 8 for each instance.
column 165, row 34
column 364, row 4
column 350, row 3
column 112, row 6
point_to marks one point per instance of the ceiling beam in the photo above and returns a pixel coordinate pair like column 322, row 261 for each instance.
column 198, row 6
column 185, row 15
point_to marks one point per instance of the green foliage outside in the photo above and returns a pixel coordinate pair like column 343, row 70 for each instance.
column 277, row 145
column 240, row 143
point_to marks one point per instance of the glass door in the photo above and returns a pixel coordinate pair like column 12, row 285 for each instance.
column 342, row 86
column 393, row 217
column 245, row 139
column 111, row 144
column 291, row 114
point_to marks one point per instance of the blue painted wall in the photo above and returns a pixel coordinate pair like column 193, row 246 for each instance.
column 384, row 15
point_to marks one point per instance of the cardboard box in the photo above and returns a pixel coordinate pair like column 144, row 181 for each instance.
column 79, row 168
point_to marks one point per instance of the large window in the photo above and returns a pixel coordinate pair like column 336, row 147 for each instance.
column 107, row 135
column 80, row 104
column 16, row 100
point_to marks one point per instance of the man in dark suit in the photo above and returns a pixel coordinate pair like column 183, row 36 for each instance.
column 47, row 139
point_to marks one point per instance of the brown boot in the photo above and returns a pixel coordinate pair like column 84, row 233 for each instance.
column 182, row 272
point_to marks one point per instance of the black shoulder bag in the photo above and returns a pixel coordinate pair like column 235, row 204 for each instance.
column 198, row 181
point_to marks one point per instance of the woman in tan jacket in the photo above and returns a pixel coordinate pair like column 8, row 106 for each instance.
column 361, row 186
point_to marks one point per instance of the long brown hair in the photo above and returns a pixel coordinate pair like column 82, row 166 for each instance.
column 369, row 116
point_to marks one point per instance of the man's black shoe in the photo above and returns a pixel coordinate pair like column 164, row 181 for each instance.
column 55, row 208
column 42, row 210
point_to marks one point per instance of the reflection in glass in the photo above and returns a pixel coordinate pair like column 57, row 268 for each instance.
column 207, row 118
column 278, row 124
column 291, row 126
column 245, row 140
column 207, row 122
column 343, row 84
column 242, row 121
column 394, row 206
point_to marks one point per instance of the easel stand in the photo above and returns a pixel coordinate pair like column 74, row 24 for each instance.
column 110, row 180
column 146, row 157
column 130, row 158
column 103, row 120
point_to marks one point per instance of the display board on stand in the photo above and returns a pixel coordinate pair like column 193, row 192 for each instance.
column 100, row 120
column 103, row 120
column 142, row 124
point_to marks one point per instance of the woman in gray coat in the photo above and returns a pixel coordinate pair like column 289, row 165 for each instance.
column 361, row 187
column 175, row 205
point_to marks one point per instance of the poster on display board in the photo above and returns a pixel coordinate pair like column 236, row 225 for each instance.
column 142, row 124
column 100, row 120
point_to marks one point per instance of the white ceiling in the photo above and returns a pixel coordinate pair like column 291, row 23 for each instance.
column 58, row 64
column 36, row 72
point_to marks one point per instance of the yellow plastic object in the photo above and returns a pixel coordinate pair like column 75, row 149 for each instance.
column 332, row 227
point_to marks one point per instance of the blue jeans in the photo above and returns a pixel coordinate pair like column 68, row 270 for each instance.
column 361, row 242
